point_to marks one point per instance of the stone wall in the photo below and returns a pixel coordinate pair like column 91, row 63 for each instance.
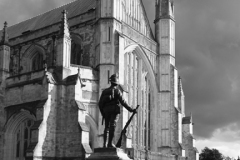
column 59, row 132
column 20, row 58
column 191, row 151
column 24, row 88
column 2, row 122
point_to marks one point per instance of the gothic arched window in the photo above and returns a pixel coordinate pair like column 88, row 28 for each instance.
column 76, row 53
column 139, row 93
column 37, row 61
column 33, row 58
column 80, row 54
column 23, row 138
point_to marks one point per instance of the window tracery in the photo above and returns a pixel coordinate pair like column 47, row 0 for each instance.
column 23, row 138
column 139, row 93
column 33, row 58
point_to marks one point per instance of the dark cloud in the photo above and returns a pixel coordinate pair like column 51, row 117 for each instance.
column 207, row 54
column 208, row 42
column 207, row 57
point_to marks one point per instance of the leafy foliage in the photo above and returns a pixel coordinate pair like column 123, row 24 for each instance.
column 210, row 154
column 227, row 158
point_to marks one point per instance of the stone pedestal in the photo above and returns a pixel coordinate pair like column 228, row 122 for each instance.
column 108, row 154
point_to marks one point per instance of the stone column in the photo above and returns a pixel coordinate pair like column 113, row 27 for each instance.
column 60, row 135
column 63, row 55
column 167, row 78
column 4, row 54
column 4, row 73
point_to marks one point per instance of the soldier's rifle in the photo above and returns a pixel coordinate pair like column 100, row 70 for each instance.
column 119, row 143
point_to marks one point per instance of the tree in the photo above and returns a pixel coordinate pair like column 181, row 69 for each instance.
column 227, row 158
column 210, row 154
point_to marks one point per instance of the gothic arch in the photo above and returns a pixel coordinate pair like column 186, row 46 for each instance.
column 93, row 134
column 76, row 49
column 29, row 55
column 11, row 129
column 77, row 38
column 140, row 53
column 142, row 85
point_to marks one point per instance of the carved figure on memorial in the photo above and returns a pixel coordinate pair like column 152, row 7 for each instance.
column 109, row 105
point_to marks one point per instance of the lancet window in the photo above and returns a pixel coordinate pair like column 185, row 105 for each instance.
column 76, row 53
column 81, row 52
column 23, row 137
column 139, row 93
column 37, row 61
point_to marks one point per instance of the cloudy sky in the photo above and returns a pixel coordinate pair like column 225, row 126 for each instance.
column 208, row 60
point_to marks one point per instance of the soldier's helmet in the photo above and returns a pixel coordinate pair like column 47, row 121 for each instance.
column 114, row 79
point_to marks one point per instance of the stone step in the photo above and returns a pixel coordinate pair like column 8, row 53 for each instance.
column 108, row 154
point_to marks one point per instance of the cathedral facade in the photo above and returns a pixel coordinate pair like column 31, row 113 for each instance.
column 53, row 68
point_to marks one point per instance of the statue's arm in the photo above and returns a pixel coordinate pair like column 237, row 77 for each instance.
column 123, row 101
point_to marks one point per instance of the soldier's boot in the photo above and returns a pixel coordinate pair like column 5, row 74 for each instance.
column 105, row 139
column 110, row 139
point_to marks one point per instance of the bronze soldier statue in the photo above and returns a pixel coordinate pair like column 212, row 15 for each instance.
column 109, row 105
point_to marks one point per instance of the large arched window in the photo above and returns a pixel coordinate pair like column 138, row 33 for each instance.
column 138, row 84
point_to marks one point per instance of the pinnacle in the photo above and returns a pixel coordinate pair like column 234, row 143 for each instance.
column 4, row 39
column 64, row 29
column 5, row 24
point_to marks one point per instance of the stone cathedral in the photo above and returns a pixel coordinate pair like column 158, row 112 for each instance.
column 53, row 68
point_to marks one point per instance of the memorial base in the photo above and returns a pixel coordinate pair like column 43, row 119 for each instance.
column 108, row 154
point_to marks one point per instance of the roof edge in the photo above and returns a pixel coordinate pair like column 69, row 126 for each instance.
column 42, row 13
